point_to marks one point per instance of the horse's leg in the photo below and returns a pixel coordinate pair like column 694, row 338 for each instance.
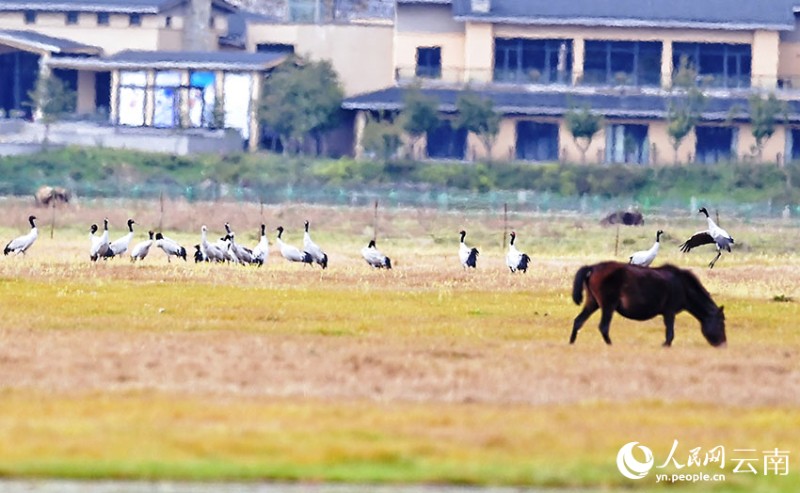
column 605, row 322
column 589, row 308
column 669, row 323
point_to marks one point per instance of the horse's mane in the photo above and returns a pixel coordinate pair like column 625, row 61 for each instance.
column 692, row 284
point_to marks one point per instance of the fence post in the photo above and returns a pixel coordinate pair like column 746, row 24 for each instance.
column 375, row 223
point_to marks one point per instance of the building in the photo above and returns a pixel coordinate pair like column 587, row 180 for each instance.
column 535, row 59
column 139, row 63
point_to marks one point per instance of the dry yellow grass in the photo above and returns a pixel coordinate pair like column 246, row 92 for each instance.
column 422, row 373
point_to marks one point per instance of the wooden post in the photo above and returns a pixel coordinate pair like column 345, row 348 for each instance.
column 53, row 219
column 505, row 223
column 616, row 243
column 375, row 223
column 161, row 215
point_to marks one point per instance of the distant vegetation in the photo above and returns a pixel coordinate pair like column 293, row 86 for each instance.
column 105, row 172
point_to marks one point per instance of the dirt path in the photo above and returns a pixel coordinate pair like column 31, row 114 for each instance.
column 382, row 368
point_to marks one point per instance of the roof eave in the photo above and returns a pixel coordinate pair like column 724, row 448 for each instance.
column 106, row 65
column 607, row 22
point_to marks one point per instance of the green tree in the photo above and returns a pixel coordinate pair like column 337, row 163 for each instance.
column 685, row 105
column 583, row 124
column 301, row 99
column 382, row 137
column 53, row 99
column 765, row 114
column 477, row 115
column 420, row 115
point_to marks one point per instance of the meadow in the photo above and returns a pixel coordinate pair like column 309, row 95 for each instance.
column 425, row 373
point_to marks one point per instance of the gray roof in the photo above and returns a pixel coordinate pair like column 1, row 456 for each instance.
column 556, row 103
column 112, row 6
column 717, row 14
column 33, row 41
column 175, row 60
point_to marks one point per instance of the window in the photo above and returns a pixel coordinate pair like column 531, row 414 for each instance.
column 715, row 144
column 135, row 20
column 537, row 141
column 633, row 63
column 718, row 65
column 539, row 61
column 446, row 142
column 168, row 21
column 102, row 19
column 429, row 62
column 279, row 47
column 72, row 18
column 793, row 145
column 627, row 144
column 30, row 17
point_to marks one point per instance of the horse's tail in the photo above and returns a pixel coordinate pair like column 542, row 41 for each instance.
column 580, row 279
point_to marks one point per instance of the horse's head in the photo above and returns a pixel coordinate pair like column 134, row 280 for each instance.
column 713, row 327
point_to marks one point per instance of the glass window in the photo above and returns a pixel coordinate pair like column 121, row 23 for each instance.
column 715, row 144
column 543, row 61
column 429, row 62
column 446, row 142
column 537, row 141
column 72, row 17
column 635, row 63
column 102, row 19
column 135, row 20
column 717, row 64
column 627, row 143
column 30, row 17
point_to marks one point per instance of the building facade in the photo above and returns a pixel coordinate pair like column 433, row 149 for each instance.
column 536, row 59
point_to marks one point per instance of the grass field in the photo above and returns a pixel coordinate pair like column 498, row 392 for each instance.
column 425, row 373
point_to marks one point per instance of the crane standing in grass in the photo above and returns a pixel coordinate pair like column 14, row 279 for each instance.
column 646, row 257
column 714, row 234
column 516, row 260
column 20, row 244
column 467, row 255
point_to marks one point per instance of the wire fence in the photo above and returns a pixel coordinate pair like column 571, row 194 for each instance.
column 409, row 196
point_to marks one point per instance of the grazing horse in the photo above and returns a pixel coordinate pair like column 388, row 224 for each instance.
column 641, row 293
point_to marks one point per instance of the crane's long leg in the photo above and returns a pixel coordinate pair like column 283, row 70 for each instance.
column 713, row 262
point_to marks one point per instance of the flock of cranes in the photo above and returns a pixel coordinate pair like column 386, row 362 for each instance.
column 226, row 249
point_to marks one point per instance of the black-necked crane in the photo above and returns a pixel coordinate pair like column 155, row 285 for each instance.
column 120, row 246
column 199, row 256
column 20, row 244
column 99, row 244
column 467, row 255
column 291, row 252
column 714, row 234
column 243, row 254
column 211, row 251
column 646, row 257
column 313, row 249
column 374, row 257
column 141, row 249
column 516, row 260
column 170, row 247
column 261, row 250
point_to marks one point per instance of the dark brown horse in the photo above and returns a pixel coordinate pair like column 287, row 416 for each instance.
column 641, row 293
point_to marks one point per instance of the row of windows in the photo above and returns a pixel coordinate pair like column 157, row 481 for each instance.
column 636, row 63
column 625, row 143
column 103, row 19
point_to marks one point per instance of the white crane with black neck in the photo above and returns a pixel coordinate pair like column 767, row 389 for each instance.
column 516, row 260
column 467, row 255
column 646, row 257
column 20, row 244
column 714, row 234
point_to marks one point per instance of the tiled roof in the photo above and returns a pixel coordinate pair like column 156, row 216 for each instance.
column 556, row 103
column 172, row 60
column 40, row 42
column 113, row 6
column 725, row 14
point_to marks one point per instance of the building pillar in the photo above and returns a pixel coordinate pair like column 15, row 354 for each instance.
column 255, row 99
column 360, row 125
column 86, row 92
column 219, row 99
column 764, row 64
column 184, row 100
column 149, row 97
column 578, row 54
column 479, row 50
column 44, row 73
column 113, row 111
column 666, row 64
